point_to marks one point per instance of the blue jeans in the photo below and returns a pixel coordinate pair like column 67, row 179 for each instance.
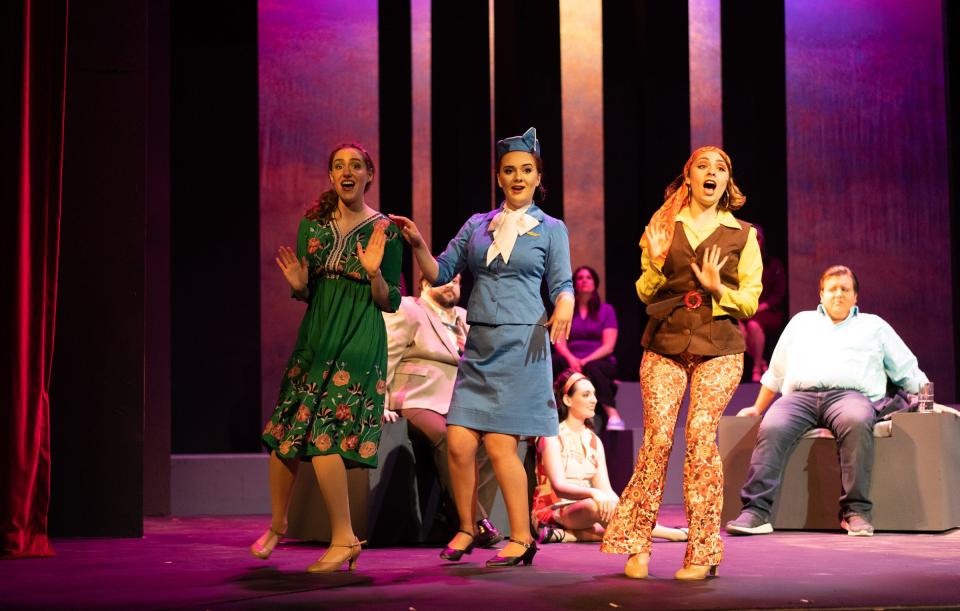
column 847, row 413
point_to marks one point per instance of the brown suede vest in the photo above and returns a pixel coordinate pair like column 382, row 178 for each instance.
column 674, row 327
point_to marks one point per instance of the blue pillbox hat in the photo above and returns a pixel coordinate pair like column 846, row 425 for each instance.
column 527, row 143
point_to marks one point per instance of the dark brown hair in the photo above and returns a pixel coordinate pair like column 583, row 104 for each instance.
column 558, row 384
column 593, row 306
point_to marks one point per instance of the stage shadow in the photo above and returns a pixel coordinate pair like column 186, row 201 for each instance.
column 269, row 579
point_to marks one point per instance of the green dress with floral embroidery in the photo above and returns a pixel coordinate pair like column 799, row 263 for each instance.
column 331, row 393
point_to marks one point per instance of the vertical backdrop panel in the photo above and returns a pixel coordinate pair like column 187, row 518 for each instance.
column 951, row 17
column 460, row 109
column 706, row 74
column 318, row 79
column 754, row 116
column 395, row 163
column 214, row 225
column 581, row 76
column 157, row 417
column 421, row 153
column 97, row 388
column 646, row 140
column 867, row 152
column 527, row 91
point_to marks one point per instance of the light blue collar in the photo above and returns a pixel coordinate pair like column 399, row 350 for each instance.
column 853, row 312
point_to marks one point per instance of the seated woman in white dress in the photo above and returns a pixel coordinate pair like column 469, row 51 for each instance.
column 573, row 500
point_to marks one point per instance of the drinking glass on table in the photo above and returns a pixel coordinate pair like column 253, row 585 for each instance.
column 925, row 397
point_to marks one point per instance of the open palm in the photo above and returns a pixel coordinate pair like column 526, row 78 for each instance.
column 371, row 256
column 709, row 274
column 656, row 242
column 296, row 272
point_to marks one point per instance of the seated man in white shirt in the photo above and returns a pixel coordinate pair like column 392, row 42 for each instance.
column 832, row 365
column 425, row 339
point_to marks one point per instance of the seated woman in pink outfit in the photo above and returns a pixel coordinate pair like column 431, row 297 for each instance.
column 573, row 500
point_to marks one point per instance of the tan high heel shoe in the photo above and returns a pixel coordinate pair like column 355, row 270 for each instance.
column 263, row 547
column 638, row 566
column 695, row 572
column 329, row 566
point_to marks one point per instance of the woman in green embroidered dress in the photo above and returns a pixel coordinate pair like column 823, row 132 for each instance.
column 347, row 268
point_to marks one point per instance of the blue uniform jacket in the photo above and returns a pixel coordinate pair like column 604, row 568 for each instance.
column 510, row 294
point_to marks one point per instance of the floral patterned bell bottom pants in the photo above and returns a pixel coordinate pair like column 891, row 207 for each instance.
column 663, row 380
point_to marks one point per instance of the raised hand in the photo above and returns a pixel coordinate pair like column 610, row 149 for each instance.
column 371, row 256
column 296, row 272
column 409, row 230
column 656, row 246
column 709, row 275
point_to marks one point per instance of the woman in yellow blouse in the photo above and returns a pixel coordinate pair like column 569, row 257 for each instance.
column 701, row 270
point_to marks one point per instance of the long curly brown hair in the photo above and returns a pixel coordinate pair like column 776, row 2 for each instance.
column 593, row 305
column 326, row 204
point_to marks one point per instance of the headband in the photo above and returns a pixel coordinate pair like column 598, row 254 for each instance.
column 527, row 143
column 573, row 379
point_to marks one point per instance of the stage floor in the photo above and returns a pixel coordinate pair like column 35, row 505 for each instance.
column 203, row 562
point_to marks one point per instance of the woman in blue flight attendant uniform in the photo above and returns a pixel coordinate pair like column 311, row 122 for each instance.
column 504, row 384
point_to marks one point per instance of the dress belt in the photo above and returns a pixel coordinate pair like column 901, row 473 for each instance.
column 663, row 308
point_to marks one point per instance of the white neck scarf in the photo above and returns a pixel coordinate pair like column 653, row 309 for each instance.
column 507, row 226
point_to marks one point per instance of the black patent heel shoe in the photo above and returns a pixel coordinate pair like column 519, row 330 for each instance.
column 453, row 554
column 526, row 557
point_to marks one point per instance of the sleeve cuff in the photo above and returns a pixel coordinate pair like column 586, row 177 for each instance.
column 650, row 282
column 730, row 305
column 727, row 306
column 769, row 380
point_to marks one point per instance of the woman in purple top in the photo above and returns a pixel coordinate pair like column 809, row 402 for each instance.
column 589, row 349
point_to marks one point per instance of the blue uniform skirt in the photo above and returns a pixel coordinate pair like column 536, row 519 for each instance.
column 505, row 382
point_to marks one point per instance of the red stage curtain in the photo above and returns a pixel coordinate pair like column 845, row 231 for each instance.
column 33, row 143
